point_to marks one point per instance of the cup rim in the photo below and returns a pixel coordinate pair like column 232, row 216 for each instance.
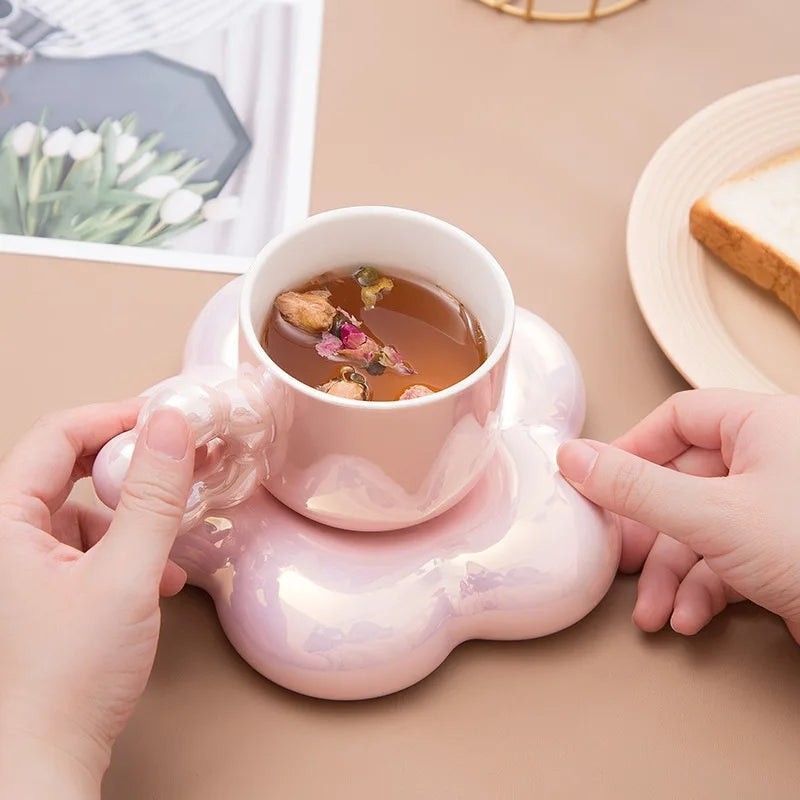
column 493, row 358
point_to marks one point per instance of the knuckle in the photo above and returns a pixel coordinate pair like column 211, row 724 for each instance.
column 153, row 497
column 51, row 420
column 59, row 424
column 25, row 509
column 13, row 510
column 681, row 395
column 677, row 401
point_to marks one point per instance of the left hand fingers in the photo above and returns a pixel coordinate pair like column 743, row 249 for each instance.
column 46, row 462
column 80, row 526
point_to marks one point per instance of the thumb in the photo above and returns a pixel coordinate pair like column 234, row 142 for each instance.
column 659, row 497
column 153, row 499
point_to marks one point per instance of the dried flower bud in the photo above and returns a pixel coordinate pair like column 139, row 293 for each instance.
column 346, row 389
column 363, row 352
column 391, row 359
column 372, row 293
column 366, row 276
column 415, row 391
column 343, row 317
column 311, row 312
column 351, row 336
column 372, row 284
column 351, row 385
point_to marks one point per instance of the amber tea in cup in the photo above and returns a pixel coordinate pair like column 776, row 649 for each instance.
column 369, row 334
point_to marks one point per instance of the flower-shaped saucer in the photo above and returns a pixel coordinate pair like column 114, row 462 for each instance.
column 342, row 615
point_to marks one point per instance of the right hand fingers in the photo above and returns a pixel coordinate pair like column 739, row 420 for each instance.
column 666, row 566
column 638, row 539
column 152, row 503
column 708, row 418
column 666, row 561
column 686, row 507
column 701, row 596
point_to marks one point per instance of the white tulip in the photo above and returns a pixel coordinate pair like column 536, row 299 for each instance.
column 22, row 138
column 116, row 126
column 157, row 186
column 132, row 170
column 221, row 209
column 84, row 145
column 58, row 143
column 126, row 145
column 180, row 206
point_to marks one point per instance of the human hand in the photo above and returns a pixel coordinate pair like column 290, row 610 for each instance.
column 79, row 618
column 708, row 492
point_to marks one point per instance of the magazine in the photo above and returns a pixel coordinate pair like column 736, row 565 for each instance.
column 172, row 134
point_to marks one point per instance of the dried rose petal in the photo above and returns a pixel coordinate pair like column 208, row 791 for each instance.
column 367, row 351
column 415, row 391
column 332, row 348
column 392, row 360
column 329, row 346
column 342, row 318
column 309, row 311
column 351, row 336
column 355, row 347
column 349, row 317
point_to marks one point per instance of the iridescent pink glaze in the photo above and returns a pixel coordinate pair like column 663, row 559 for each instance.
column 345, row 615
column 353, row 465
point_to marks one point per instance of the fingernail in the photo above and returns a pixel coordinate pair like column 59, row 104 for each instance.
column 576, row 459
column 173, row 579
column 180, row 573
column 168, row 434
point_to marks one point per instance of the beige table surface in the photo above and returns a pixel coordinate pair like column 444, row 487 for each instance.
column 531, row 138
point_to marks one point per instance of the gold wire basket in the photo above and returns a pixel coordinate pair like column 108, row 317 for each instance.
column 559, row 10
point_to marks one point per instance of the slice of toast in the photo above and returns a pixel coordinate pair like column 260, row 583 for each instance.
column 752, row 222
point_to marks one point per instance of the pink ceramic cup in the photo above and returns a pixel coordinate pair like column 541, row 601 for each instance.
column 370, row 466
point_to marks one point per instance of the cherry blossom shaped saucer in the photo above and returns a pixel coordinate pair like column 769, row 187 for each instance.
column 345, row 615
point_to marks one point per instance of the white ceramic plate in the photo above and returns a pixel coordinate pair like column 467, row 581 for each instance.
column 716, row 327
